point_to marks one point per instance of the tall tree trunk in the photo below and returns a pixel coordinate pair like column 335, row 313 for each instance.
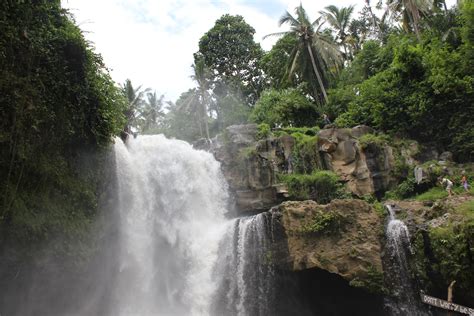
column 204, row 112
column 414, row 21
column 316, row 72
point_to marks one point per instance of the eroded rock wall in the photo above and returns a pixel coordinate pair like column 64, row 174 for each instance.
column 366, row 170
column 250, row 165
column 342, row 237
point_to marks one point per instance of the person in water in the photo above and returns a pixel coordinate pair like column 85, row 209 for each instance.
column 449, row 185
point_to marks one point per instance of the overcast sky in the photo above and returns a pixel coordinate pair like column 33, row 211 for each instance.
column 152, row 41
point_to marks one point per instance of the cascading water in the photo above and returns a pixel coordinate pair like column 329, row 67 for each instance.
column 172, row 201
column 247, row 287
column 405, row 300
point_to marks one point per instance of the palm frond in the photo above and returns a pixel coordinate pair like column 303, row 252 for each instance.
column 277, row 34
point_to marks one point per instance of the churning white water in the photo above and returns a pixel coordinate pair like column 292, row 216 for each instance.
column 405, row 300
column 172, row 201
column 246, row 268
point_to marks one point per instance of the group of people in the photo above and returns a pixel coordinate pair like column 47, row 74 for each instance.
column 449, row 184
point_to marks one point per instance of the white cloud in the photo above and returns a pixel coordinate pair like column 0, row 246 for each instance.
column 152, row 41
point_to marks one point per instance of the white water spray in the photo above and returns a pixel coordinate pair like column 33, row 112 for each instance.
column 405, row 301
column 172, row 201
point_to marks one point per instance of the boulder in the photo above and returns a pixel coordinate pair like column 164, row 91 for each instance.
column 446, row 156
column 341, row 237
column 250, row 165
column 366, row 171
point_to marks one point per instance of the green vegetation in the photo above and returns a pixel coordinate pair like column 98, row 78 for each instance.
column 321, row 186
column 405, row 189
column 374, row 282
column 287, row 107
column 57, row 102
column 433, row 194
column 264, row 131
column 314, row 56
column 412, row 89
column 305, row 155
column 325, row 223
column 446, row 257
column 399, row 74
column 378, row 141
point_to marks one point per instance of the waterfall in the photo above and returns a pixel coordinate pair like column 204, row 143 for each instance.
column 405, row 298
column 246, row 263
column 171, row 200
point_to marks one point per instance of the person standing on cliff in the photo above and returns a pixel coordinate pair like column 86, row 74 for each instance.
column 464, row 182
column 326, row 119
column 449, row 185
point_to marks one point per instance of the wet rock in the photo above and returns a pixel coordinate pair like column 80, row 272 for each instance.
column 340, row 237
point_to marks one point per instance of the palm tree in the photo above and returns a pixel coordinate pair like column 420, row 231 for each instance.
column 411, row 10
column 312, row 45
column 135, row 100
column 201, row 76
column 198, row 99
column 339, row 19
column 152, row 111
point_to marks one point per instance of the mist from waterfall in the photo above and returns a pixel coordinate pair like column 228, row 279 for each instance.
column 172, row 201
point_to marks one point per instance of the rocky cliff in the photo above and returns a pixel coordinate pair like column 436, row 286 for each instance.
column 250, row 165
column 342, row 237
column 251, row 162
column 366, row 168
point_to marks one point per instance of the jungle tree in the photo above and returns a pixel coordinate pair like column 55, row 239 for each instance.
column 314, row 50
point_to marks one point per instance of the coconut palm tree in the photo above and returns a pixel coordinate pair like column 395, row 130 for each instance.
column 313, row 47
column 201, row 76
column 152, row 111
column 198, row 99
column 135, row 101
column 411, row 11
column 339, row 19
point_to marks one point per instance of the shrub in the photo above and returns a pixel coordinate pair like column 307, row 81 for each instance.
column 321, row 186
column 379, row 140
column 263, row 131
column 325, row 222
column 284, row 108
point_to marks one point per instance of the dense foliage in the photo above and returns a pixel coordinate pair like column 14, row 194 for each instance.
column 284, row 108
column 56, row 101
column 443, row 254
column 407, row 87
column 399, row 73
column 321, row 186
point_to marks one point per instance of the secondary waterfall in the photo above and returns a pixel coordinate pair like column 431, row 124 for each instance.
column 172, row 201
column 406, row 300
column 247, row 286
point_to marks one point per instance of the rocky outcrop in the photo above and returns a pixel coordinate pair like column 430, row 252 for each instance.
column 250, row 165
column 365, row 162
column 442, row 238
column 366, row 170
column 342, row 237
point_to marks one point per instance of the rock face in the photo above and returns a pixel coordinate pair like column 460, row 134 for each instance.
column 342, row 237
column 442, row 239
column 366, row 170
column 249, row 165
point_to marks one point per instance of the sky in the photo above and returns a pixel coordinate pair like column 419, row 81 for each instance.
column 152, row 42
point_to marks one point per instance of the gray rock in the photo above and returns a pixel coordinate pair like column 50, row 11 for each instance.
column 446, row 156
